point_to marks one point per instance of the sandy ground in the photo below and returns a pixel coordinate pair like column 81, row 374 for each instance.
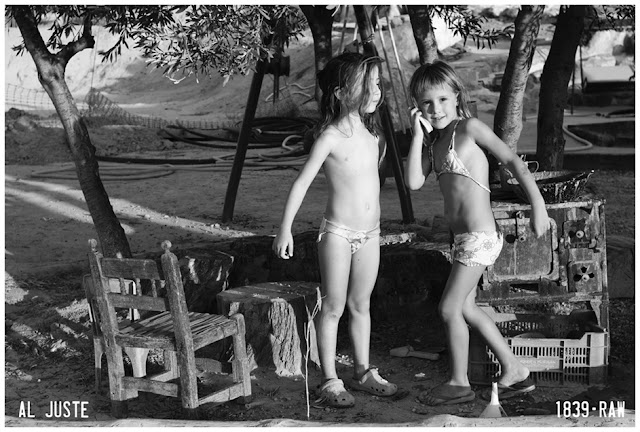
column 48, row 355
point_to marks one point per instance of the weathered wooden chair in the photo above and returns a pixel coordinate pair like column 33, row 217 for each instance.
column 138, row 356
column 173, row 329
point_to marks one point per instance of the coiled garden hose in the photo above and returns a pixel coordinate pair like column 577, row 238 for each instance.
column 272, row 132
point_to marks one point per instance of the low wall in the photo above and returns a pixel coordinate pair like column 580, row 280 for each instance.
column 409, row 274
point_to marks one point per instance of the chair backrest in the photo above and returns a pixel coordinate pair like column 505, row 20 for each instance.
column 114, row 286
column 147, row 276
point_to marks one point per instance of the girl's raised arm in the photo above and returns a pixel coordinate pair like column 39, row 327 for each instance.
column 418, row 164
column 487, row 139
column 283, row 243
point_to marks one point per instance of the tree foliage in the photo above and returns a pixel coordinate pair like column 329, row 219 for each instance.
column 465, row 23
column 229, row 39
column 67, row 23
column 187, row 39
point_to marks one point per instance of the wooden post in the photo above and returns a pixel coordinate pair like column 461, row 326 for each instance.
column 182, row 329
column 243, row 142
column 366, row 31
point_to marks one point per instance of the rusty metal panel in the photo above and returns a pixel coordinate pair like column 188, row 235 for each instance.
column 524, row 256
column 569, row 266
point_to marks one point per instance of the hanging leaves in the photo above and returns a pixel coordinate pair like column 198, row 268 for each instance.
column 182, row 39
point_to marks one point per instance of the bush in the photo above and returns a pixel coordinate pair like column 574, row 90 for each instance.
column 508, row 14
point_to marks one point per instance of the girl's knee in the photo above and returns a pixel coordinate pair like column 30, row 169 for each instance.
column 448, row 311
column 359, row 306
column 469, row 309
column 332, row 310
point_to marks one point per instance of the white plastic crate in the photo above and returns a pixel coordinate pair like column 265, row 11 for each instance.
column 567, row 355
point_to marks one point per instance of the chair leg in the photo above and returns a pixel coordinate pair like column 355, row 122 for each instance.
column 191, row 413
column 117, row 392
column 240, row 362
column 188, row 386
column 138, row 357
column 98, row 351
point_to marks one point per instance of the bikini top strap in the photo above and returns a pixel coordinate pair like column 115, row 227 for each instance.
column 453, row 135
column 431, row 156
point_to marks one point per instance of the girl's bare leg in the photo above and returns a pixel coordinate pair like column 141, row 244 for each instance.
column 364, row 272
column 462, row 281
column 334, row 254
column 512, row 370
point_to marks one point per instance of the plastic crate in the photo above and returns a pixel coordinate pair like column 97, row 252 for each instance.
column 573, row 351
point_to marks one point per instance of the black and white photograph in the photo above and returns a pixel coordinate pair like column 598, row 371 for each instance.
column 296, row 215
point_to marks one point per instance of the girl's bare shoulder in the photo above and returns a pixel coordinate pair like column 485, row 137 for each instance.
column 472, row 126
column 329, row 137
column 334, row 133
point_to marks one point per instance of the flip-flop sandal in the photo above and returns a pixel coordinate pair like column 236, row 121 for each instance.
column 457, row 395
column 517, row 389
column 371, row 382
column 332, row 393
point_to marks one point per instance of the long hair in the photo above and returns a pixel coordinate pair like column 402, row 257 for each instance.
column 438, row 74
column 350, row 73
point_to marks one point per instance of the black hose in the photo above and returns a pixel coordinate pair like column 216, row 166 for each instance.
column 151, row 161
column 266, row 132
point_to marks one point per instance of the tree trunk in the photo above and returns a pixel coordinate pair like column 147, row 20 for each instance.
column 320, row 21
column 277, row 316
column 51, row 70
column 554, row 86
column 507, row 123
column 423, row 33
column 508, row 118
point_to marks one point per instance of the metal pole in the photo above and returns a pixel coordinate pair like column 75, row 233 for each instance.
column 395, row 51
column 366, row 31
column 386, row 60
column 344, row 29
column 243, row 142
column 573, row 86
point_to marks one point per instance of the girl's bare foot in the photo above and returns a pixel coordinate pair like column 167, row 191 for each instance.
column 514, row 374
column 515, row 381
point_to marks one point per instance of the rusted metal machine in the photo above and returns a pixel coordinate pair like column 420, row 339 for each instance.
column 568, row 264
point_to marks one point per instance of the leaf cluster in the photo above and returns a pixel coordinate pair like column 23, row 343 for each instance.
column 465, row 23
column 229, row 39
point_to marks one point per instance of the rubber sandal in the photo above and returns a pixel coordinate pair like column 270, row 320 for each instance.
column 332, row 393
column 371, row 382
column 456, row 395
column 517, row 389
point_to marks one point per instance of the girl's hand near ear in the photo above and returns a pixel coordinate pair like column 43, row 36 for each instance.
column 420, row 122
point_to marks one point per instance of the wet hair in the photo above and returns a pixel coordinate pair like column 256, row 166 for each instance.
column 351, row 73
column 439, row 74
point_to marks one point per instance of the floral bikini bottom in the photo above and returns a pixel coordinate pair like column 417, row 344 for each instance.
column 477, row 248
column 355, row 238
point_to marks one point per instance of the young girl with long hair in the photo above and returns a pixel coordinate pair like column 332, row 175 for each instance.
column 346, row 147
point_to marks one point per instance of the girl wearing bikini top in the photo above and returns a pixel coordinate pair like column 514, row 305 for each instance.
column 455, row 151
